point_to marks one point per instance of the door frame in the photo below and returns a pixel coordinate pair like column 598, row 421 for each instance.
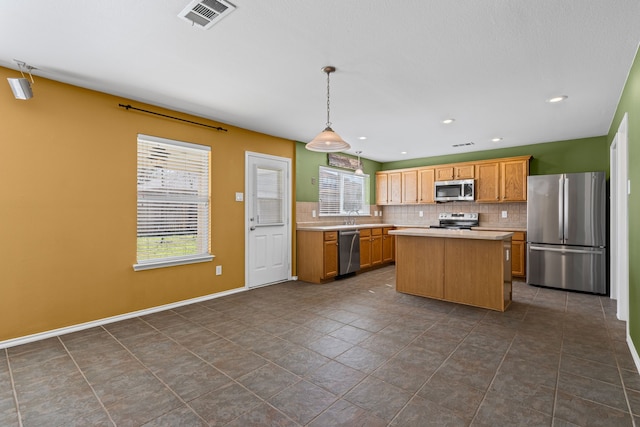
column 248, row 199
column 619, row 220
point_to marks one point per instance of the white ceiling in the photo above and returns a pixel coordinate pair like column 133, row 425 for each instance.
column 402, row 66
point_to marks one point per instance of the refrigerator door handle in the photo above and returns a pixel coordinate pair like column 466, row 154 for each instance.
column 570, row 251
column 565, row 222
column 560, row 210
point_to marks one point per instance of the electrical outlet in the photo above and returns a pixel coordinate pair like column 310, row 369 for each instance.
column 420, row 214
column 504, row 214
column 218, row 270
column 239, row 197
column 313, row 213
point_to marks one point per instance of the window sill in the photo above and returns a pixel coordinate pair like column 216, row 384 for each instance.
column 173, row 262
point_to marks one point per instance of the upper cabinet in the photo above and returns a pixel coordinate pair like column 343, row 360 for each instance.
column 502, row 181
column 426, row 179
column 497, row 180
column 409, row 187
column 488, row 182
column 513, row 182
column 449, row 172
column 388, row 188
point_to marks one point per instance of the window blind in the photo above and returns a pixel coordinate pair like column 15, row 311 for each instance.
column 270, row 196
column 173, row 201
column 342, row 193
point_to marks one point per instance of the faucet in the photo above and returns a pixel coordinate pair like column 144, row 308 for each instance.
column 350, row 219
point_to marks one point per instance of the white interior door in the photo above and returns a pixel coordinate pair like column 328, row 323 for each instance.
column 268, row 211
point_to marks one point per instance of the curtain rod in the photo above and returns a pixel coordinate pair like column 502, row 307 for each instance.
column 129, row 107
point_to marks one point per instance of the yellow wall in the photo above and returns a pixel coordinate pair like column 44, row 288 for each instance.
column 68, row 207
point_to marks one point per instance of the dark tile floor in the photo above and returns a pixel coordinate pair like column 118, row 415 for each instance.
column 349, row 353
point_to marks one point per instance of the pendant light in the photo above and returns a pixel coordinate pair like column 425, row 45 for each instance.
column 328, row 141
column 359, row 170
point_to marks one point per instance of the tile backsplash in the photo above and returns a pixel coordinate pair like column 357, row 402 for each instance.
column 490, row 214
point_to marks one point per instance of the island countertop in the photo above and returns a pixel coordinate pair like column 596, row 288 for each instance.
column 453, row 234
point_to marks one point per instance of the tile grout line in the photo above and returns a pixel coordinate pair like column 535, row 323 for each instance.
column 624, row 387
column 86, row 380
column 265, row 401
column 13, row 388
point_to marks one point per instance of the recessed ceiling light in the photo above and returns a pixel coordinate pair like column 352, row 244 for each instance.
column 557, row 99
column 403, row 152
column 448, row 121
column 496, row 139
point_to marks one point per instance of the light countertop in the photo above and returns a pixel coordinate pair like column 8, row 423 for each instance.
column 501, row 228
column 453, row 234
column 340, row 227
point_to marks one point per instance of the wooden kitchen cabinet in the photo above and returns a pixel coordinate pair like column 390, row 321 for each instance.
column 518, row 254
column 317, row 254
column 365, row 248
column 513, row 181
column 447, row 173
column 487, row 186
column 388, row 245
column 426, row 179
column 376, row 246
column 382, row 187
column 502, row 181
column 409, row 185
column 388, row 188
column 330, row 254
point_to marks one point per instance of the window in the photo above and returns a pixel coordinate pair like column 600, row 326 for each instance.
column 173, row 203
column 269, row 197
column 342, row 193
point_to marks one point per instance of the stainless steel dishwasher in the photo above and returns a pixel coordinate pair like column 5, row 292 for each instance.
column 349, row 251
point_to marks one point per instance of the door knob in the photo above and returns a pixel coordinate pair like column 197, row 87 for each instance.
column 252, row 228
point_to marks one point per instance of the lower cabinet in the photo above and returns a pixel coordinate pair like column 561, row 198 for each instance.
column 317, row 255
column 317, row 252
column 365, row 248
column 388, row 245
column 518, row 254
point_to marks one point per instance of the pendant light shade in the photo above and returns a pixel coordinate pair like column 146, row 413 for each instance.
column 328, row 141
column 359, row 170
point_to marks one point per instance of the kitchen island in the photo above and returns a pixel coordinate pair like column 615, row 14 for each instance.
column 462, row 266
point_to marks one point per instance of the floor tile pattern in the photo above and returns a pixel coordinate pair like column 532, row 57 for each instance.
column 349, row 353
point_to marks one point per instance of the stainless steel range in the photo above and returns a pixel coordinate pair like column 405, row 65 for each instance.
column 457, row 221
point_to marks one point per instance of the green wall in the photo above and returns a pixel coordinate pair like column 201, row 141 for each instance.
column 630, row 104
column 576, row 155
column 307, row 163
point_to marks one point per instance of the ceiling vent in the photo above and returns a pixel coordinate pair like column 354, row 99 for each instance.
column 463, row 145
column 206, row 13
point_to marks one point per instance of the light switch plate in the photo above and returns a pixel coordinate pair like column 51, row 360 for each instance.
column 239, row 197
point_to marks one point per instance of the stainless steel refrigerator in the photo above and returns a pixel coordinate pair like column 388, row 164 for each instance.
column 566, row 231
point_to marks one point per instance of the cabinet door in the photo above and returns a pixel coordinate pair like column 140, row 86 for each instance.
column 382, row 188
column 488, row 182
column 330, row 259
column 514, row 180
column 387, row 246
column 394, row 191
column 426, row 178
column 464, row 172
column 517, row 258
column 444, row 174
column 365, row 248
column 376, row 246
column 410, row 187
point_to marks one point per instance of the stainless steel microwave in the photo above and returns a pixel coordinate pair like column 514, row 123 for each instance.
column 448, row 191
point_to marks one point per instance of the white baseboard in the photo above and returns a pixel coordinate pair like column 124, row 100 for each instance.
column 634, row 353
column 81, row 326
